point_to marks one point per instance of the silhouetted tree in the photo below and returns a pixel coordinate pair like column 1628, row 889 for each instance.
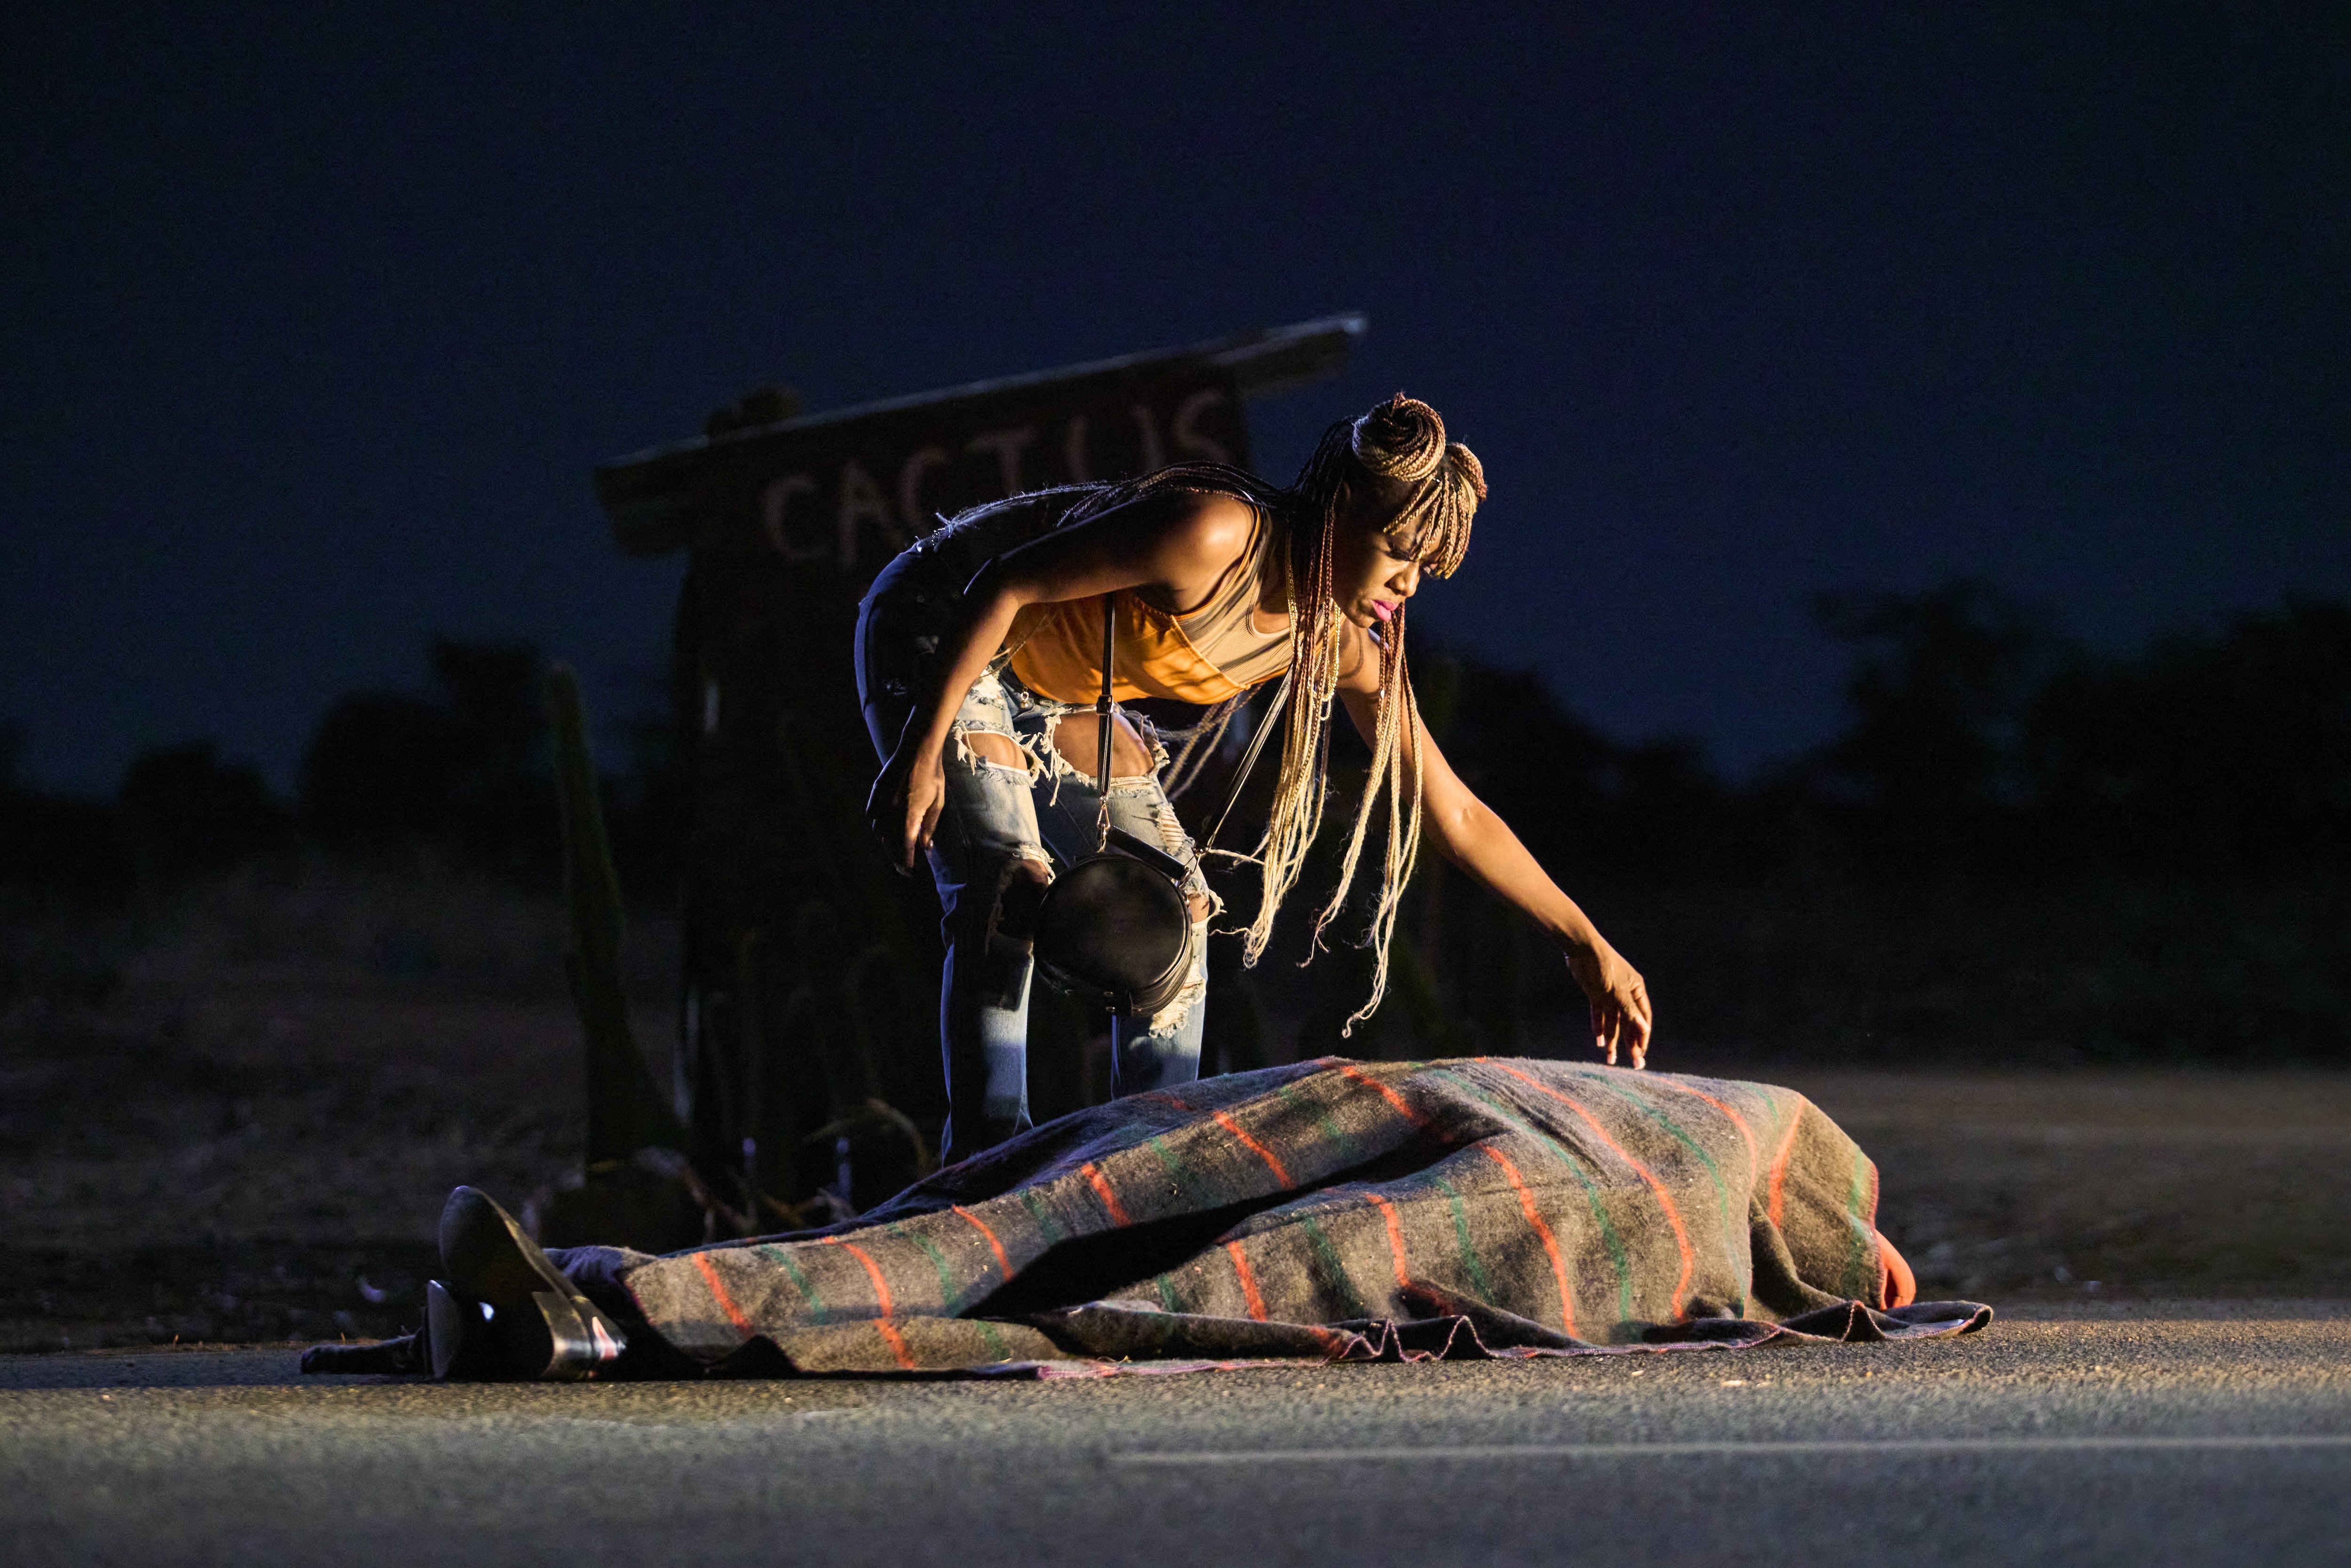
column 464, row 769
column 186, row 812
column 381, row 772
column 1578, row 800
column 64, row 845
column 2208, row 752
column 1541, row 768
column 1940, row 685
column 1667, row 811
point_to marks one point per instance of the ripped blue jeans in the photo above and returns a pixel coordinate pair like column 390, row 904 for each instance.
column 1044, row 812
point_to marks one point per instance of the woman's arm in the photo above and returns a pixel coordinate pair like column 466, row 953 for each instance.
column 1472, row 837
column 1171, row 547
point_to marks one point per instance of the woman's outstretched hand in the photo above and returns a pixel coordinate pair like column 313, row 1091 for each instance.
column 1620, row 1001
column 904, row 806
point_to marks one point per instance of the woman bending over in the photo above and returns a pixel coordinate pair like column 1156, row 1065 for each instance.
column 980, row 657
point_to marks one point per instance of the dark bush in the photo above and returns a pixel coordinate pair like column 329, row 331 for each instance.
column 381, row 772
column 2229, row 751
column 56, row 843
column 185, row 813
column 1926, row 772
column 465, row 770
column 1579, row 800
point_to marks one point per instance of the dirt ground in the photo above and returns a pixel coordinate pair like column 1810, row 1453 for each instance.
column 2106, row 1184
column 249, row 1137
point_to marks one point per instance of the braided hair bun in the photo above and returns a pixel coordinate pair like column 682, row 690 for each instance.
column 1403, row 438
column 1430, row 486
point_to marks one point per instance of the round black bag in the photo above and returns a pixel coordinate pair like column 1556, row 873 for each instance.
column 1115, row 928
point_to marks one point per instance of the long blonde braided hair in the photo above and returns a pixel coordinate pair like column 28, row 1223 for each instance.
column 1392, row 462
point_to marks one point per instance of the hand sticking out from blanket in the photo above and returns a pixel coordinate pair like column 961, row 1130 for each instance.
column 1621, row 1014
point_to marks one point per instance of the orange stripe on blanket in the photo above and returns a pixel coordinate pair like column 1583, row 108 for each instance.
column 1395, row 1236
column 1779, row 1164
column 1348, row 1070
column 897, row 1343
column 1535, row 1219
column 719, row 1293
column 1248, row 1281
column 1260, row 1150
column 890, row 1334
column 1665, row 1200
column 997, row 1246
column 1754, row 1160
column 1102, row 1190
column 872, row 1272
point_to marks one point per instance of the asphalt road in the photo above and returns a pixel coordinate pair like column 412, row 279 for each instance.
column 2160, row 1433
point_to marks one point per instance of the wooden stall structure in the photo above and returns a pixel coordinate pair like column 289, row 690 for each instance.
column 809, row 976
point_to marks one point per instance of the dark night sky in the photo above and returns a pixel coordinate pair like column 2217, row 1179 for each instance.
column 315, row 322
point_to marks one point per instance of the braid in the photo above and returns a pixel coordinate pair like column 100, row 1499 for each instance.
column 1299, row 786
column 1398, row 455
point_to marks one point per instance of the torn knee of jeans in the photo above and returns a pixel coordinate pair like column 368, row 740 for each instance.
column 1021, row 887
column 1045, row 763
column 960, row 735
column 1051, row 764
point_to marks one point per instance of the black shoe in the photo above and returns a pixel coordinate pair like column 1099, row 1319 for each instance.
column 539, row 1327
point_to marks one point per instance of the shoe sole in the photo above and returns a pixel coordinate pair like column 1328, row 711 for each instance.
column 457, row 1336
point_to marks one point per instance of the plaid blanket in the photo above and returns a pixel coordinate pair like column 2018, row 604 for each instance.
column 1330, row 1209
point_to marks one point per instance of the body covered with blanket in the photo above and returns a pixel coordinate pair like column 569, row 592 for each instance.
column 1332, row 1209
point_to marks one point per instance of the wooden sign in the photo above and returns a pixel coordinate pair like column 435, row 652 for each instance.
column 849, row 489
column 786, row 521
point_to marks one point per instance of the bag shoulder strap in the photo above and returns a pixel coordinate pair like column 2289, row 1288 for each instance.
column 1249, row 761
column 1101, row 735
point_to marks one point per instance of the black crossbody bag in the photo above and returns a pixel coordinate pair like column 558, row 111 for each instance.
column 1115, row 929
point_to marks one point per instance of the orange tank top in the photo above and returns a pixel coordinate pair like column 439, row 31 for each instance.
column 1205, row 655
